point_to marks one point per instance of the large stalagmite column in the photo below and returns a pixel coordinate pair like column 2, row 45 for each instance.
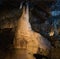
column 24, row 37
column 27, row 42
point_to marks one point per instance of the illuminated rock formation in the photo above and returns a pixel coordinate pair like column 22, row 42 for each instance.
column 26, row 38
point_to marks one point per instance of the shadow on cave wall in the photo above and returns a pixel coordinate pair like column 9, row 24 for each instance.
column 6, row 39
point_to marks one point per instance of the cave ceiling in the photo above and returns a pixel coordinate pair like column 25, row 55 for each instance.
column 39, row 8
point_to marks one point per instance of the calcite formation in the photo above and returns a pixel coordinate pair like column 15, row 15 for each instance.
column 26, row 38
